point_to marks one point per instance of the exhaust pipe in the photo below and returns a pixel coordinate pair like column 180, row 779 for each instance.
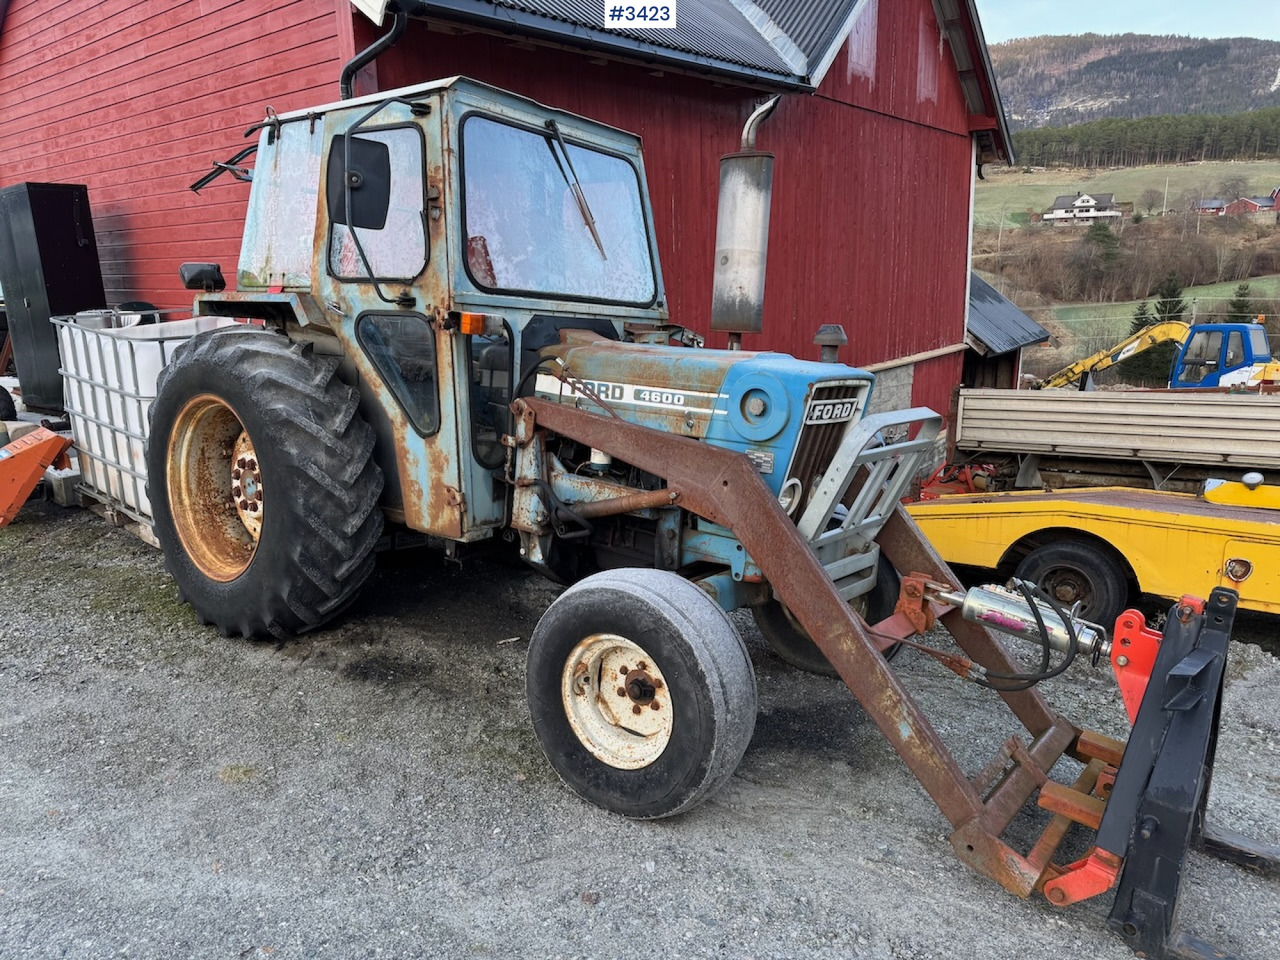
column 742, row 234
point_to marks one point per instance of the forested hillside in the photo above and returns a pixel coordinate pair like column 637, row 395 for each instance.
column 1253, row 135
column 1060, row 81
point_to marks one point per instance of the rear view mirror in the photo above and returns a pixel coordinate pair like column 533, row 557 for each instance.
column 368, row 177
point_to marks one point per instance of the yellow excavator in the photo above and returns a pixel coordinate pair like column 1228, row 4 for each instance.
column 1212, row 355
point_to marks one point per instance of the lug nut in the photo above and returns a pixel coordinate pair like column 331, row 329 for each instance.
column 622, row 691
column 636, row 709
column 654, row 706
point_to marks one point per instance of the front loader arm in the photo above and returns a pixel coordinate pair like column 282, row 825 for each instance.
column 724, row 487
column 1133, row 854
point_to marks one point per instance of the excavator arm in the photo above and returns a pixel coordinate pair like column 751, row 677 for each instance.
column 1168, row 331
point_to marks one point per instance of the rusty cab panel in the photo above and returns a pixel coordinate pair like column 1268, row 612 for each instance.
column 381, row 269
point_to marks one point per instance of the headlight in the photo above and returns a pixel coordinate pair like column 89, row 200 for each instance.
column 790, row 495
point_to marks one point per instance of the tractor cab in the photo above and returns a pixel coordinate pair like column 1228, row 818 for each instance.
column 436, row 238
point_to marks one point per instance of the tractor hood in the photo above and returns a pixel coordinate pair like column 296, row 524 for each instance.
column 755, row 403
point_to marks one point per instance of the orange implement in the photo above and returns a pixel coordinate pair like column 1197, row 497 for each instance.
column 22, row 464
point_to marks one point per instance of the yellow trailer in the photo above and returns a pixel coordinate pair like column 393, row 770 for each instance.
column 1101, row 547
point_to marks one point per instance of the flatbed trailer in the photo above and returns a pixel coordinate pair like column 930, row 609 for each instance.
column 1162, row 439
column 1103, row 546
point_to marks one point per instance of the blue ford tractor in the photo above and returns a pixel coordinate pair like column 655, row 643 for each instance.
column 459, row 327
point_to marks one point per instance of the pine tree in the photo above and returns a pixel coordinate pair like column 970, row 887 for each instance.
column 1150, row 368
column 1169, row 302
column 1240, row 307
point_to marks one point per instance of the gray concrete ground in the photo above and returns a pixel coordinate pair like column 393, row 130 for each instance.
column 375, row 790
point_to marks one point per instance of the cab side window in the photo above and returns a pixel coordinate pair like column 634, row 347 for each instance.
column 1235, row 348
column 403, row 349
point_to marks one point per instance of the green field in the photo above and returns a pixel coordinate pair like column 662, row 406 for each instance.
column 1013, row 193
column 1264, row 291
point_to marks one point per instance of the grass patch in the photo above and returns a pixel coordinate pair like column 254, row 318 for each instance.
column 1013, row 193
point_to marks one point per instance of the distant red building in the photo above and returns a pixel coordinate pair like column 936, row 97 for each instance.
column 1246, row 205
column 889, row 112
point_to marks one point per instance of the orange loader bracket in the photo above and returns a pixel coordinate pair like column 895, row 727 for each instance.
column 23, row 463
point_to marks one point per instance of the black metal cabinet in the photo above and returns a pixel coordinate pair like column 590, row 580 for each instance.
column 48, row 267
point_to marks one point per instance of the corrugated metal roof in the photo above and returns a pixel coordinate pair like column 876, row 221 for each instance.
column 714, row 28
column 782, row 43
column 815, row 26
column 772, row 44
column 997, row 322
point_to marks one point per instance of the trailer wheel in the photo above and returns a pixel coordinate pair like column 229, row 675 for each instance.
column 641, row 692
column 790, row 641
column 7, row 410
column 262, row 483
column 1074, row 572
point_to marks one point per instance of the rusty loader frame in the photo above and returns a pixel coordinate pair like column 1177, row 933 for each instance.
column 1157, row 795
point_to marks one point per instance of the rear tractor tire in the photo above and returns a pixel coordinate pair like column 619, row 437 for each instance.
column 262, row 483
column 789, row 640
column 7, row 410
column 641, row 692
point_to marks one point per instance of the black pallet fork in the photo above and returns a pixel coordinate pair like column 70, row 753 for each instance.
column 1156, row 811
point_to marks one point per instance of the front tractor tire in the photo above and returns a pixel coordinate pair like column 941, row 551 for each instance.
column 788, row 639
column 262, row 484
column 641, row 692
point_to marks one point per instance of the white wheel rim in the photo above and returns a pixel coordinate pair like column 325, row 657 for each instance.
column 617, row 701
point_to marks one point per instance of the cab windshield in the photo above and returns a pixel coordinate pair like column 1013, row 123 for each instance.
column 529, row 231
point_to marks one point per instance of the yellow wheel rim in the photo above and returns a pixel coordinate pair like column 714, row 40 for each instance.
column 215, row 488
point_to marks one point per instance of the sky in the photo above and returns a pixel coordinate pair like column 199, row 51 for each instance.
column 1006, row 19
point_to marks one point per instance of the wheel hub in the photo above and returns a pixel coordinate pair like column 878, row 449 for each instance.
column 1066, row 586
column 246, row 485
column 617, row 701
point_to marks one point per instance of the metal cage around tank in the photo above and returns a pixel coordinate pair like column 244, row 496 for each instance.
column 109, row 381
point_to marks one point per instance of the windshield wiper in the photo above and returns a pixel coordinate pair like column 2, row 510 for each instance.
column 575, row 186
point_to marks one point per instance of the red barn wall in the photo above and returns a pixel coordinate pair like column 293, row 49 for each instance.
column 136, row 100
column 870, row 221
column 871, row 204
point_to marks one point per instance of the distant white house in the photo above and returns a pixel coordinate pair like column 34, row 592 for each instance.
column 1083, row 208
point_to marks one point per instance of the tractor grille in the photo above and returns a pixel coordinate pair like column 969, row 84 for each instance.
column 819, row 442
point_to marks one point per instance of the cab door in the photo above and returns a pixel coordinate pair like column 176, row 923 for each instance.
column 382, row 274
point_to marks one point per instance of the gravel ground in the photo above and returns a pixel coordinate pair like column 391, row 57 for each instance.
column 375, row 790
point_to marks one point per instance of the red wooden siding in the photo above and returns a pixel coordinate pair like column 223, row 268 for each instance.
column 136, row 100
column 870, row 216
column 870, row 220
